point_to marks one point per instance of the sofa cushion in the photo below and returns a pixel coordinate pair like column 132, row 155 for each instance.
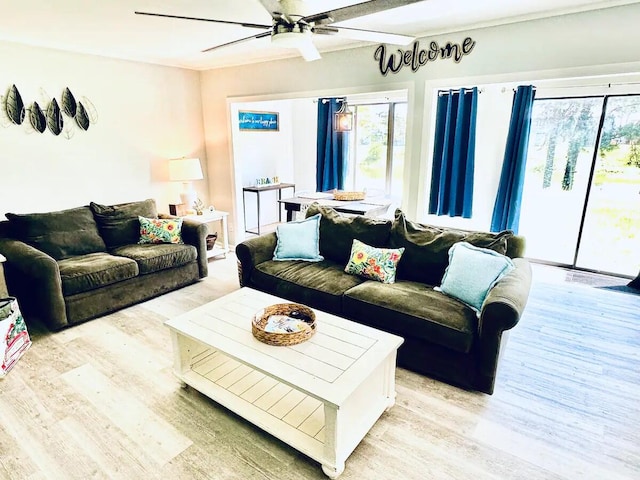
column 337, row 232
column 119, row 224
column 316, row 284
column 152, row 257
column 427, row 247
column 60, row 234
column 415, row 310
column 94, row 270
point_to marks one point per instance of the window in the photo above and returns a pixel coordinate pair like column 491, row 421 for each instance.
column 375, row 164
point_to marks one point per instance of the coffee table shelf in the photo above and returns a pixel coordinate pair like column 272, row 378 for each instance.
column 321, row 396
column 274, row 406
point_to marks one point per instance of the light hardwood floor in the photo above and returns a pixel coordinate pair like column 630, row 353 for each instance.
column 99, row 401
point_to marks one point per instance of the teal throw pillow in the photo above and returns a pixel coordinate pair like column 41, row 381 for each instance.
column 472, row 272
column 299, row 240
column 373, row 263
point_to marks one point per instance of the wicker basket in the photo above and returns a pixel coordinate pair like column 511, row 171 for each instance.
column 292, row 310
column 348, row 196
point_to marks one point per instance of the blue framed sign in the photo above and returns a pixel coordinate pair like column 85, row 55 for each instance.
column 258, row 121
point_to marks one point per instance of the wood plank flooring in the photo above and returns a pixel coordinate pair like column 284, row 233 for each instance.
column 99, row 401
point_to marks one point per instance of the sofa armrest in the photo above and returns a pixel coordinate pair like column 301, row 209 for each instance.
column 34, row 278
column 501, row 312
column 194, row 233
column 252, row 252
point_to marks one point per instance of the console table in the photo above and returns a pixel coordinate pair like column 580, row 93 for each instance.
column 258, row 190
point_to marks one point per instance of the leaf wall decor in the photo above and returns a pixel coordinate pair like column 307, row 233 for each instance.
column 14, row 106
column 54, row 118
column 82, row 119
column 92, row 112
column 36, row 117
column 69, row 105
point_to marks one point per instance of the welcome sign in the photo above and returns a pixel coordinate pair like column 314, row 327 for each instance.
column 258, row 121
column 417, row 57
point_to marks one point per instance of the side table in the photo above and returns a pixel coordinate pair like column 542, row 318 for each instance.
column 208, row 217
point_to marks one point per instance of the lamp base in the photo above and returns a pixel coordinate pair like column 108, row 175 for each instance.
column 188, row 198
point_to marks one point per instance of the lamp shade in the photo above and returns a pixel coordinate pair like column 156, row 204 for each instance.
column 185, row 169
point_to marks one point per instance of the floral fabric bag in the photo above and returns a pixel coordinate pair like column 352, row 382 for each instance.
column 14, row 338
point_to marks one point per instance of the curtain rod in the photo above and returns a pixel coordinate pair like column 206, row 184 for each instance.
column 466, row 90
column 608, row 85
column 325, row 100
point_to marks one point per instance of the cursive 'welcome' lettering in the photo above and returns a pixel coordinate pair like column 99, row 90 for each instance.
column 417, row 57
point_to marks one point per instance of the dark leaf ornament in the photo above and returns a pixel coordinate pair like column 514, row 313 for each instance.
column 36, row 118
column 54, row 117
column 14, row 106
column 69, row 105
column 82, row 119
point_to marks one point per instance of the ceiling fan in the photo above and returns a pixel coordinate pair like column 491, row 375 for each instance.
column 293, row 27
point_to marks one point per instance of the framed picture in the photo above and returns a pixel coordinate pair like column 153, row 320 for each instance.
column 258, row 121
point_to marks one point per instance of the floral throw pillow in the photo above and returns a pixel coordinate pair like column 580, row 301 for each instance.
column 374, row 263
column 160, row 230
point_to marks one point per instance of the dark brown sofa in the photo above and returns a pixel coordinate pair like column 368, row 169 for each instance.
column 444, row 338
column 69, row 266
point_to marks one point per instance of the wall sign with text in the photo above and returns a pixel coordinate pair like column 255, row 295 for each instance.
column 416, row 57
column 258, row 121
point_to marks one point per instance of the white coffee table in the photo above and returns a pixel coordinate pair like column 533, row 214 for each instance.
column 321, row 396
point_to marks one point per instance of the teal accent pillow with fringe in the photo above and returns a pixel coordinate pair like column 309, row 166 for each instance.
column 299, row 240
column 472, row 272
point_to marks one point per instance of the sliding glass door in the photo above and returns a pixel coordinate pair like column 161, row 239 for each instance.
column 561, row 145
column 581, row 204
column 610, row 239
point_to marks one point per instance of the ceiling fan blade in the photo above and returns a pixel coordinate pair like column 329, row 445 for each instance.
column 308, row 51
column 357, row 10
column 228, row 22
column 246, row 39
column 371, row 36
column 273, row 7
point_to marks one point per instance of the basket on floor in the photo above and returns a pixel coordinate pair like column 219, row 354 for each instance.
column 211, row 240
column 281, row 316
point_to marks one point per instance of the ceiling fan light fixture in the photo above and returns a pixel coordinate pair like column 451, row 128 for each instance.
column 298, row 39
column 343, row 118
column 290, row 39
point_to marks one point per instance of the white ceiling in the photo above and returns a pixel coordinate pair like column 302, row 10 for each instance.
column 110, row 28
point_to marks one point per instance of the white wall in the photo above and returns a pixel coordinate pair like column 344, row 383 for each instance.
column 146, row 115
column 259, row 154
column 305, row 134
column 602, row 42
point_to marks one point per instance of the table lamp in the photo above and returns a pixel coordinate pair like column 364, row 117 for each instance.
column 186, row 170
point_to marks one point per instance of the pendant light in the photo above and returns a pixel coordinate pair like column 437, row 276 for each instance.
column 343, row 118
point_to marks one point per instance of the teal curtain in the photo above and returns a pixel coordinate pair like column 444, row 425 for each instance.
column 332, row 148
column 454, row 153
column 506, row 210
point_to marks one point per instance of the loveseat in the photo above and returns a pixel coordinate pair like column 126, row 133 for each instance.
column 443, row 337
column 68, row 266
